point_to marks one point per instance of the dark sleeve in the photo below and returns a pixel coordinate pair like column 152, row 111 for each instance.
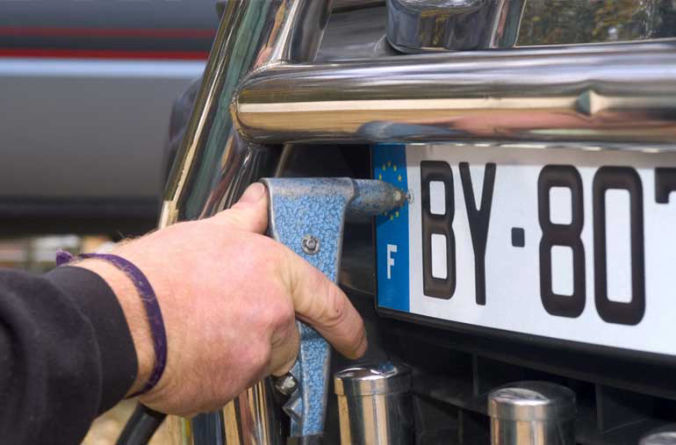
column 66, row 355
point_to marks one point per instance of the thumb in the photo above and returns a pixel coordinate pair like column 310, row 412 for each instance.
column 250, row 213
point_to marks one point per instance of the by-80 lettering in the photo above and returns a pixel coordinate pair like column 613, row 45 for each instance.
column 440, row 224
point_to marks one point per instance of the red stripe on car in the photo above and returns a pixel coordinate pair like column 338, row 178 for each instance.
column 102, row 54
column 169, row 33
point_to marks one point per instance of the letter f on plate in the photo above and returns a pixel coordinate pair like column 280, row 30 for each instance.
column 391, row 248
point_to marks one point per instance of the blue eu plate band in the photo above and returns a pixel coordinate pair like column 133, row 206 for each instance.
column 392, row 249
column 308, row 216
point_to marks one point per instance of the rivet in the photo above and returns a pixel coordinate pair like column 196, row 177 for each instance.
column 310, row 244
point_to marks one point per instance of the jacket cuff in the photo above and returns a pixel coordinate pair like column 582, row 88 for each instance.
column 98, row 303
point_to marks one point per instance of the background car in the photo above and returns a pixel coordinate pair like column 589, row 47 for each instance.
column 86, row 90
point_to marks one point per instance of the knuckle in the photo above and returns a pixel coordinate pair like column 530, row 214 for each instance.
column 263, row 258
column 234, row 217
column 271, row 252
column 266, row 317
column 286, row 312
column 336, row 309
column 259, row 356
column 280, row 313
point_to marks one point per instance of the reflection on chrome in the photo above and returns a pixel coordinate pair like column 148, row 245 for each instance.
column 432, row 25
column 602, row 93
column 549, row 22
column 252, row 34
column 252, row 418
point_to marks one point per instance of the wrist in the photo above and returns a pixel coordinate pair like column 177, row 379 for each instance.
column 134, row 312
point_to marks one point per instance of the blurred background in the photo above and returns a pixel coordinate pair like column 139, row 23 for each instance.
column 86, row 92
column 86, row 89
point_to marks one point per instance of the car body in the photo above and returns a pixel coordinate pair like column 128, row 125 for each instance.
column 87, row 89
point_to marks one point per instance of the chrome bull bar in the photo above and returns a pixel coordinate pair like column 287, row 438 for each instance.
column 261, row 91
column 621, row 93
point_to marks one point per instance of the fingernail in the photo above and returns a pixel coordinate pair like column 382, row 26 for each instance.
column 254, row 193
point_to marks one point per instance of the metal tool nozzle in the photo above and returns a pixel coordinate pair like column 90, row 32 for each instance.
column 374, row 197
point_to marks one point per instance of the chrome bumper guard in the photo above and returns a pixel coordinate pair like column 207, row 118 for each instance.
column 260, row 90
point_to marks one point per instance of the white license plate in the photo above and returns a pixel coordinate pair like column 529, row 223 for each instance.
column 576, row 245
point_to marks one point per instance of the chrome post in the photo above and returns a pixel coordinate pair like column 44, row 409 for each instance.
column 252, row 35
column 214, row 165
column 252, row 418
column 374, row 405
column 440, row 25
column 532, row 413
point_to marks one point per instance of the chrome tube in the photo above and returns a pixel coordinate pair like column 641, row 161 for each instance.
column 214, row 165
column 374, row 405
column 532, row 413
column 601, row 93
column 251, row 419
column 252, row 35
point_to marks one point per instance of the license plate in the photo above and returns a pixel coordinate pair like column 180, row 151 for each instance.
column 576, row 245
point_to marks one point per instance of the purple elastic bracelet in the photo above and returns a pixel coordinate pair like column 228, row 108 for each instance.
column 150, row 304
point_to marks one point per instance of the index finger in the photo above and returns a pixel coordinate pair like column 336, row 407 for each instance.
column 320, row 303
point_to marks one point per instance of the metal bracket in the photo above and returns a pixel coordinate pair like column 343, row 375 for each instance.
column 308, row 216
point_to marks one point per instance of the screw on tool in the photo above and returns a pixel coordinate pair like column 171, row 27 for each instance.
column 310, row 244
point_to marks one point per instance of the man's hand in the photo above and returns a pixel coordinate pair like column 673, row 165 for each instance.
column 229, row 297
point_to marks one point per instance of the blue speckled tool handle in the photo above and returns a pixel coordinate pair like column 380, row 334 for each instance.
column 314, row 209
column 301, row 209
column 311, row 370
